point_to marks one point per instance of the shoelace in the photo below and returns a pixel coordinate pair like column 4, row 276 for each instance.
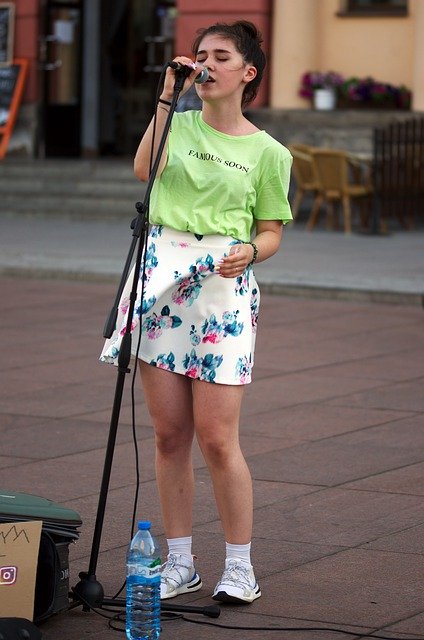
column 172, row 564
column 242, row 574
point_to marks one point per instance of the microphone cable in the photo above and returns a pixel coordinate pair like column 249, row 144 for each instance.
column 135, row 368
column 134, row 375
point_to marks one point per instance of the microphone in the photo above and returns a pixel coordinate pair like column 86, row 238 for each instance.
column 201, row 77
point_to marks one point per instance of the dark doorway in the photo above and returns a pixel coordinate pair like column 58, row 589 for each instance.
column 137, row 39
column 61, row 58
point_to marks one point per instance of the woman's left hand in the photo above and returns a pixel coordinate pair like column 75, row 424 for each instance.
column 235, row 263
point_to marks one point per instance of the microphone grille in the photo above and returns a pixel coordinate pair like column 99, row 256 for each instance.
column 202, row 77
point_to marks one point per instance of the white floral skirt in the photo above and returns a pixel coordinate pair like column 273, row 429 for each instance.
column 193, row 321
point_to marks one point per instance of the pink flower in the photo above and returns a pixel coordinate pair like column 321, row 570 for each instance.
column 154, row 333
column 123, row 307
column 214, row 338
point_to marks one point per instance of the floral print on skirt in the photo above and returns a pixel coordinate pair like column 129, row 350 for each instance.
column 193, row 321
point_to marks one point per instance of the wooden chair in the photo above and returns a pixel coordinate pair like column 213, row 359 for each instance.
column 333, row 169
column 304, row 174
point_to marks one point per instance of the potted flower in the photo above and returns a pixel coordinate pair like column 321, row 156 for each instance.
column 321, row 87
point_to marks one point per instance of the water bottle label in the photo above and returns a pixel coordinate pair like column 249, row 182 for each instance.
column 148, row 572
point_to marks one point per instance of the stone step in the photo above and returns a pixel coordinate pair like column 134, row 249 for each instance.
column 89, row 188
column 75, row 206
column 118, row 169
column 71, row 188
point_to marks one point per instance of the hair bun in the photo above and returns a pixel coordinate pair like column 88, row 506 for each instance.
column 251, row 29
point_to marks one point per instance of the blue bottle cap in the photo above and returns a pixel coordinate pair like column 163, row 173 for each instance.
column 144, row 524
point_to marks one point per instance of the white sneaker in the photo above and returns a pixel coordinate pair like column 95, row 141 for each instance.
column 178, row 575
column 238, row 583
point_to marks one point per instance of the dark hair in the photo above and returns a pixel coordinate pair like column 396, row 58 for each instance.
column 247, row 40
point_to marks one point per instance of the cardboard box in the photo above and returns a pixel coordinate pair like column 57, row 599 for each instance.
column 19, row 547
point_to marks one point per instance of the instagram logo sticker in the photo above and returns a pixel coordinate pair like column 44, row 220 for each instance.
column 8, row 575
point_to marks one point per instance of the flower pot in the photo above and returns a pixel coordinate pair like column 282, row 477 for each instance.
column 324, row 99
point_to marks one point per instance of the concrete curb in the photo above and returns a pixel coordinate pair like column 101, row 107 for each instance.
column 279, row 289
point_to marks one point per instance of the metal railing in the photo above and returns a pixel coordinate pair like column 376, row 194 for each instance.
column 398, row 173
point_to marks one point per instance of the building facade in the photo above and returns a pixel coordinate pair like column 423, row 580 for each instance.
column 94, row 65
column 384, row 40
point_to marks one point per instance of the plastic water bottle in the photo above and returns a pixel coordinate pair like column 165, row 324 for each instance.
column 143, row 586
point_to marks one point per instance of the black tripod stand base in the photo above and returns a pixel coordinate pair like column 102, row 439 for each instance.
column 88, row 591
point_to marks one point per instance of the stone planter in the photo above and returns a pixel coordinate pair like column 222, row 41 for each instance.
column 385, row 105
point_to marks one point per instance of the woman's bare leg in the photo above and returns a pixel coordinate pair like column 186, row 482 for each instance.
column 169, row 401
column 216, row 418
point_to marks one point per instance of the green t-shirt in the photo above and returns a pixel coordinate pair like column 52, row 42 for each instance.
column 215, row 183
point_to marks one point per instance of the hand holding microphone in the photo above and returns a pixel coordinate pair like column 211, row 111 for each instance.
column 187, row 69
column 180, row 74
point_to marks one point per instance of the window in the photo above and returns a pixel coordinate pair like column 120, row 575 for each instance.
column 374, row 8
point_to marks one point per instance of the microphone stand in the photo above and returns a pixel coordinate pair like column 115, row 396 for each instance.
column 88, row 591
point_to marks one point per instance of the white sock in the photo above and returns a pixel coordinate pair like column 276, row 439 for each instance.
column 181, row 546
column 239, row 551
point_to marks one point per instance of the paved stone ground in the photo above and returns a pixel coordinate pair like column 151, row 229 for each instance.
column 333, row 433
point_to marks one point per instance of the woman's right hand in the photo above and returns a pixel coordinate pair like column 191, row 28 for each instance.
column 168, row 87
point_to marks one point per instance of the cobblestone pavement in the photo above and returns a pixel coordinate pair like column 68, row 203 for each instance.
column 332, row 428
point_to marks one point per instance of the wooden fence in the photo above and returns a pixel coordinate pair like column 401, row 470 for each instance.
column 398, row 168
